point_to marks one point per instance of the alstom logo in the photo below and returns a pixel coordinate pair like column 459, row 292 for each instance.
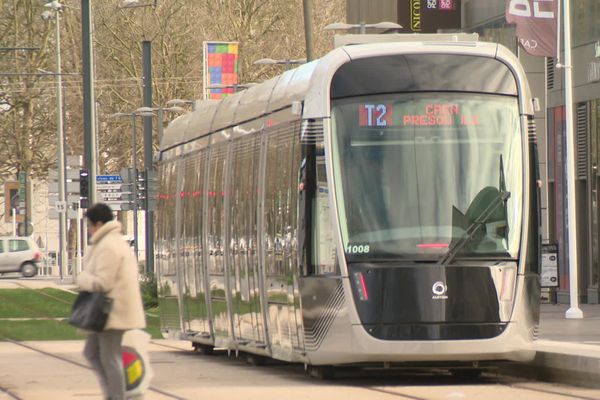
column 439, row 291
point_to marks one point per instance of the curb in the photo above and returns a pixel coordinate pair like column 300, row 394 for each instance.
column 564, row 362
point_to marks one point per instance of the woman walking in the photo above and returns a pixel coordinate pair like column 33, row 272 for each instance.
column 110, row 267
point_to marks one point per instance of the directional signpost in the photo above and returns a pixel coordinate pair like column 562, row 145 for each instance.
column 110, row 191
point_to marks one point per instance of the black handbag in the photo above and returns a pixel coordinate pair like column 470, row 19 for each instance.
column 90, row 311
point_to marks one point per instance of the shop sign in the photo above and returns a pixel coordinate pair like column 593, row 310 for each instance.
column 550, row 265
column 427, row 16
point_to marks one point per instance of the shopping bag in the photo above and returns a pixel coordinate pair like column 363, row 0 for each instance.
column 90, row 311
column 136, row 363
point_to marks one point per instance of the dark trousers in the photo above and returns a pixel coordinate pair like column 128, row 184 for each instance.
column 103, row 351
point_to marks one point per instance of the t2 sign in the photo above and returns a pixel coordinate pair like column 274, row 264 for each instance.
column 375, row 115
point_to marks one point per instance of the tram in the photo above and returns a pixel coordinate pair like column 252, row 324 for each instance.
column 378, row 205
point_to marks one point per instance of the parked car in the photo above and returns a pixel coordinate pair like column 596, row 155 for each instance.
column 19, row 254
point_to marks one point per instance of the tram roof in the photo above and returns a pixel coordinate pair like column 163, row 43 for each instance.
column 260, row 99
column 305, row 81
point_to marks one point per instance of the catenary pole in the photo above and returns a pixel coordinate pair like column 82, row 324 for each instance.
column 89, row 125
column 308, row 29
column 149, row 214
column 62, row 195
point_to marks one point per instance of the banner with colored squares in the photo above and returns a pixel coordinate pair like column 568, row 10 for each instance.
column 220, row 69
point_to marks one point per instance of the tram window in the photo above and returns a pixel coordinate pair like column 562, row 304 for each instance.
column 404, row 163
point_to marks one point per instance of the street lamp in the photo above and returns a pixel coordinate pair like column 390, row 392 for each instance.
column 134, row 194
column 54, row 10
column 341, row 26
column 160, row 113
column 180, row 102
column 287, row 62
column 236, row 87
column 136, row 4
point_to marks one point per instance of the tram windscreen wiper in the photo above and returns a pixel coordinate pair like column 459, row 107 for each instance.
column 457, row 246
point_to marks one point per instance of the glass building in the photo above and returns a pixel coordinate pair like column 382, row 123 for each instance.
column 487, row 18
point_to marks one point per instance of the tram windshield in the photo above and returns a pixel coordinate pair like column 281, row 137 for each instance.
column 415, row 171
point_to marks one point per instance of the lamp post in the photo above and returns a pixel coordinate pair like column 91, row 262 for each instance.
column 341, row 26
column 236, row 87
column 574, row 311
column 136, row 4
column 149, row 111
column 307, row 11
column 287, row 62
column 55, row 8
column 89, row 111
column 181, row 102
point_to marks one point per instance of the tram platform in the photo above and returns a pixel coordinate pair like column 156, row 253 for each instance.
column 568, row 350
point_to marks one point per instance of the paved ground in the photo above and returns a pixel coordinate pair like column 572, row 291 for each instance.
column 568, row 351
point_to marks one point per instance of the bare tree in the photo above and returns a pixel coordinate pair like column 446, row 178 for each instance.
column 25, row 95
column 176, row 29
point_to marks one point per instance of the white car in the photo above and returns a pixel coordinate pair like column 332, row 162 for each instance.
column 19, row 254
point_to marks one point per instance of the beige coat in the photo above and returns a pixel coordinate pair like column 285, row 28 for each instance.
column 110, row 266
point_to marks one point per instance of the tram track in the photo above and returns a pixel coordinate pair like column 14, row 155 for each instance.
column 525, row 386
column 12, row 395
column 398, row 390
column 7, row 392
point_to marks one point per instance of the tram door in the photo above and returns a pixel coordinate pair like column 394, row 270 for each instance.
column 215, row 242
column 280, row 240
column 166, row 250
column 193, row 294
column 242, row 248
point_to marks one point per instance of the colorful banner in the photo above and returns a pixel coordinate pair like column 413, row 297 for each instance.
column 536, row 22
column 220, row 69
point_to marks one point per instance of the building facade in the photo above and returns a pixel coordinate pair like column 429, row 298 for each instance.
column 487, row 18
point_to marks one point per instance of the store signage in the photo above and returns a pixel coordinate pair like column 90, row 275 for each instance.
column 427, row 16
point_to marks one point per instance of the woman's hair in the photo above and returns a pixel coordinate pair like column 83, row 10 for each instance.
column 99, row 212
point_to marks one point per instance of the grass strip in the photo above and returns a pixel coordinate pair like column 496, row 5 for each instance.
column 41, row 304
column 28, row 303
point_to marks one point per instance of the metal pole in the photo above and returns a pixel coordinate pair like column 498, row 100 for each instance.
column 149, row 214
column 84, row 233
column 134, row 185
column 77, row 268
column 89, row 126
column 574, row 311
column 308, row 29
column 62, row 195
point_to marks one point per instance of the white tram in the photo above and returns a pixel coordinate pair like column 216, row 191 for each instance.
column 379, row 204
